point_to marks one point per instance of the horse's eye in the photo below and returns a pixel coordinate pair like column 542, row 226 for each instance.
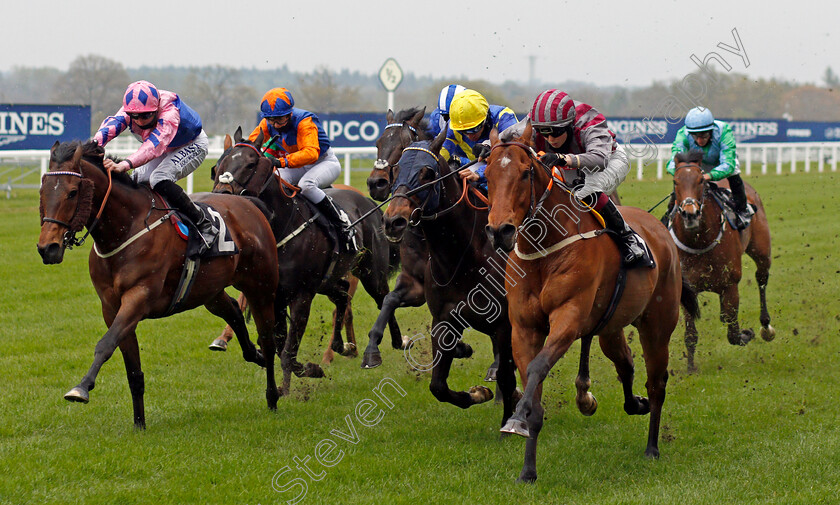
column 72, row 194
column 525, row 175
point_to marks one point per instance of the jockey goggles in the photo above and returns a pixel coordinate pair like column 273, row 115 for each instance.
column 475, row 129
column 550, row 131
column 141, row 115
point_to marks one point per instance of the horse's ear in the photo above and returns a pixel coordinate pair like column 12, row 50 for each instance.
column 494, row 136
column 77, row 156
column 237, row 135
column 437, row 143
column 213, row 173
column 528, row 133
column 389, row 116
column 260, row 139
column 415, row 120
column 53, row 148
column 228, row 141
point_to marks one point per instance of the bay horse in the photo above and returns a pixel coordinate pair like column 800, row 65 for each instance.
column 568, row 275
column 406, row 127
column 305, row 252
column 710, row 250
column 463, row 275
column 135, row 264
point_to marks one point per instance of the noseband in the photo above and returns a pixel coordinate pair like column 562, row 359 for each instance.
column 382, row 164
column 228, row 178
column 685, row 202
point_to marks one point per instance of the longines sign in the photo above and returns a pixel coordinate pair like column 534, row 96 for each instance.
column 39, row 126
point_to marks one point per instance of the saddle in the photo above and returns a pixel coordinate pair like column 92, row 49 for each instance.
column 723, row 197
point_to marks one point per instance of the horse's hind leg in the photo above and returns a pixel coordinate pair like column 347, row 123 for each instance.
column 691, row 338
column 655, row 328
column 444, row 336
column 615, row 348
column 729, row 300
column 586, row 402
column 340, row 297
column 221, row 342
column 262, row 310
column 759, row 250
column 300, row 317
column 136, row 382
column 225, row 307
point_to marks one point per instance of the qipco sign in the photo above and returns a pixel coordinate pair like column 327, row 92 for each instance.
column 360, row 129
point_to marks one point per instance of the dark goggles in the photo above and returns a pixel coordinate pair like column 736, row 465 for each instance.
column 475, row 129
column 551, row 131
column 702, row 135
column 141, row 115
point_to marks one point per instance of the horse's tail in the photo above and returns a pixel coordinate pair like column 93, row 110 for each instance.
column 688, row 299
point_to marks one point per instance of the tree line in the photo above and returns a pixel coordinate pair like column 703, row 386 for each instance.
column 227, row 97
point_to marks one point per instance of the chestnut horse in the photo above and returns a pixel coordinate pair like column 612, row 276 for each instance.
column 567, row 289
column 135, row 264
column 464, row 275
column 308, row 265
column 710, row 250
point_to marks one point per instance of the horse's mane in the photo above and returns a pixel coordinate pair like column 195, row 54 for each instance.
column 693, row 156
column 92, row 153
column 405, row 115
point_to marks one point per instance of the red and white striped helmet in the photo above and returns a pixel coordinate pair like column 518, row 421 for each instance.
column 553, row 108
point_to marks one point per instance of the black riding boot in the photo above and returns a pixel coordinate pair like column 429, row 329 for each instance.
column 632, row 249
column 339, row 218
column 739, row 197
column 178, row 199
column 667, row 217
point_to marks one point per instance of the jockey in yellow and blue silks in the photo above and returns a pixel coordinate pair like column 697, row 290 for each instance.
column 720, row 161
column 471, row 119
column 440, row 116
column 300, row 149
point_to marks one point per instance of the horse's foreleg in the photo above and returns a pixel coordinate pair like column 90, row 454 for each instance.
column 225, row 307
column 615, row 348
column 136, row 383
column 762, row 276
column 729, row 300
column 654, row 336
column 130, row 313
column 263, row 313
column 300, row 316
column 387, row 305
column 444, row 338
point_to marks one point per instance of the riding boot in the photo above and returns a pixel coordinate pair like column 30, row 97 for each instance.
column 631, row 246
column 178, row 199
column 666, row 218
column 339, row 218
column 739, row 197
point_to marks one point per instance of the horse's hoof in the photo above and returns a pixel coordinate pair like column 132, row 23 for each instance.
column 77, row 394
column 480, row 394
column 218, row 345
column 652, row 453
column 259, row 359
column 349, row 349
column 527, row 477
column 312, row 370
column 587, row 405
column 491, row 374
column 747, row 335
column 462, row 350
column 640, row 407
column 768, row 333
column 516, row 427
column 406, row 343
column 371, row 360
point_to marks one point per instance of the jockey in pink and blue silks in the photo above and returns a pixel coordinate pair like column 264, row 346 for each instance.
column 173, row 146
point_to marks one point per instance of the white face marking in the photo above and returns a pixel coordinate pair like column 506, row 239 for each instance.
column 504, row 162
column 234, row 156
column 56, row 185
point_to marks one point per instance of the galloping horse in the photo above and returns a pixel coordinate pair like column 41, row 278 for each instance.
column 135, row 264
column 710, row 250
column 463, row 274
column 562, row 286
column 306, row 256
column 408, row 126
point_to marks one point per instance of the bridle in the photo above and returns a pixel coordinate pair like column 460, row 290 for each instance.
column 78, row 221
column 384, row 164
column 685, row 202
column 228, row 178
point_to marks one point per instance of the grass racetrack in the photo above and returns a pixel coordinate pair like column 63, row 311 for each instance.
column 757, row 424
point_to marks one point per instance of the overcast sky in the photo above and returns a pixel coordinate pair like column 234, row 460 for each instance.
column 604, row 42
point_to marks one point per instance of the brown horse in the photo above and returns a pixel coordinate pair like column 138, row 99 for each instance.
column 308, row 262
column 406, row 127
column 566, row 276
column 135, row 264
column 710, row 250
column 464, row 274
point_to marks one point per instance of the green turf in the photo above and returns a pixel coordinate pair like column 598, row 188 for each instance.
column 756, row 425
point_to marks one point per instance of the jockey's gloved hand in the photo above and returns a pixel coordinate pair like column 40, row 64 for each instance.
column 279, row 162
column 553, row 160
column 481, row 151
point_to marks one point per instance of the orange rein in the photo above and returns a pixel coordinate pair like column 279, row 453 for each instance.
column 283, row 183
column 477, row 193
